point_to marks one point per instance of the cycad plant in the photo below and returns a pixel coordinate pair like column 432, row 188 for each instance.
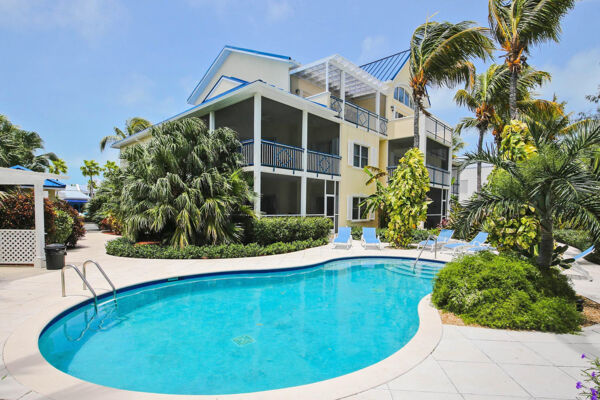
column 185, row 186
column 555, row 182
column 489, row 96
column 440, row 54
column 517, row 26
column 132, row 126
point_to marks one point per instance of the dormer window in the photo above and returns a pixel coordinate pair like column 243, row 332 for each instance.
column 403, row 96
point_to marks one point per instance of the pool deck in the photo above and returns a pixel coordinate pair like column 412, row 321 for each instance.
column 467, row 363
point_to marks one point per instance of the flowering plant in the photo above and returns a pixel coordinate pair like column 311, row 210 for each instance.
column 591, row 383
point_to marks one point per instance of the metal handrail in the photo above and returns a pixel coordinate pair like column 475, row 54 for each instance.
column 85, row 282
column 423, row 248
column 114, row 290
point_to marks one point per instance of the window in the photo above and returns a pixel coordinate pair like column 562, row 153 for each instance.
column 358, row 209
column 361, row 156
column 403, row 96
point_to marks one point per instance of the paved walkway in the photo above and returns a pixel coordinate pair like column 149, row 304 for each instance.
column 469, row 363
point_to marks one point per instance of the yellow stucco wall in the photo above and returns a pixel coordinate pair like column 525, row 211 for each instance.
column 400, row 128
column 304, row 87
column 251, row 68
column 352, row 178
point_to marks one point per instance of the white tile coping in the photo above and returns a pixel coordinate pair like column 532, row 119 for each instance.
column 27, row 365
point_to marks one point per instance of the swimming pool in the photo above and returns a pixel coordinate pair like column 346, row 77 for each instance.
column 243, row 332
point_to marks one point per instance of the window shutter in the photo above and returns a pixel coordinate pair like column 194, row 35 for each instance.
column 350, row 153
column 374, row 159
column 349, row 208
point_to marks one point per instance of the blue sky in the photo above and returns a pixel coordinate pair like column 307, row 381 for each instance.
column 73, row 69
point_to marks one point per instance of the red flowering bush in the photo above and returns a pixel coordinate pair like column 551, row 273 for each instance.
column 17, row 212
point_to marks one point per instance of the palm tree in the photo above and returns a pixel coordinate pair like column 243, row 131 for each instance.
column 490, row 93
column 555, row 183
column 20, row 147
column 58, row 167
column 132, row 126
column 440, row 54
column 518, row 25
column 91, row 168
column 186, row 186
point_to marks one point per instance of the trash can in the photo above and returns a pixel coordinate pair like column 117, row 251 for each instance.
column 55, row 255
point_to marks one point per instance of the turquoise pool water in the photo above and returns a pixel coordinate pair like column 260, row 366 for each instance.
column 237, row 333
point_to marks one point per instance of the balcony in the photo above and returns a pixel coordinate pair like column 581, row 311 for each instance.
column 438, row 131
column 437, row 176
column 359, row 116
column 278, row 155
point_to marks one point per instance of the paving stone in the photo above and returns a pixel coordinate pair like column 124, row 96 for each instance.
column 404, row 395
column 471, row 332
column 419, row 379
column 510, row 352
column 10, row 389
column 543, row 380
column 373, row 394
column 564, row 354
column 459, row 350
column 481, row 378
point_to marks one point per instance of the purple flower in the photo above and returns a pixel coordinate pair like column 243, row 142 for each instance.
column 594, row 397
column 594, row 392
column 579, row 385
column 593, row 374
column 583, row 355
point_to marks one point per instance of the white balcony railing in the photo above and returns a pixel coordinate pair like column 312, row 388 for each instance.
column 438, row 131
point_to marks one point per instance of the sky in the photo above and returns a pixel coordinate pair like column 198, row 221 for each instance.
column 71, row 70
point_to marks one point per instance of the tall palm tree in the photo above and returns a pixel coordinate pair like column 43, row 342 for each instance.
column 58, row 167
column 490, row 93
column 20, row 147
column 186, row 186
column 440, row 54
column 132, row 126
column 555, row 183
column 518, row 25
column 91, row 168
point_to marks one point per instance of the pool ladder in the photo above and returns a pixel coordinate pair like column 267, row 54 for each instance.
column 423, row 248
column 86, row 284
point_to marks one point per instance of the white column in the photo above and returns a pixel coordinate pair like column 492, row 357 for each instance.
column 343, row 92
column 257, row 151
column 377, row 109
column 211, row 121
column 38, row 195
column 327, row 76
column 304, row 163
column 422, row 135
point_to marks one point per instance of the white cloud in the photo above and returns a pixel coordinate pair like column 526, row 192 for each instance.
column 372, row 48
column 279, row 10
column 575, row 79
column 89, row 18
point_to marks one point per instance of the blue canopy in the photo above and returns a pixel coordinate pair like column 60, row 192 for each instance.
column 48, row 183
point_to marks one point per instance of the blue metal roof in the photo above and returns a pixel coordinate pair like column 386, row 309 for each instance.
column 386, row 69
column 48, row 183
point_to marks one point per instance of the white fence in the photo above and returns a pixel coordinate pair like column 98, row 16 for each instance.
column 17, row 246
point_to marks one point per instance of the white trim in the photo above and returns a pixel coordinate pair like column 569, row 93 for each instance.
column 351, row 197
column 351, row 144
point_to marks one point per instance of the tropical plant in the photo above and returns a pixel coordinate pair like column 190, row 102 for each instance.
column 518, row 25
column 404, row 199
column 439, row 55
column 457, row 143
column 20, row 147
column 132, row 126
column 556, row 182
column 489, row 94
column 185, row 186
column 64, row 226
column 91, row 168
column 58, row 167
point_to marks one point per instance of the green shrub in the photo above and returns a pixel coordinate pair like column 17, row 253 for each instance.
column 500, row 291
column 356, row 232
column 63, row 224
column 124, row 248
column 269, row 230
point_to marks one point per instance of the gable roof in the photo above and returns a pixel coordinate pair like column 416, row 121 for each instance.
column 236, row 81
column 385, row 69
column 216, row 64
column 48, row 183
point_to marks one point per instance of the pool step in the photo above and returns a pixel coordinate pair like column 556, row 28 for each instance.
column 421, row 271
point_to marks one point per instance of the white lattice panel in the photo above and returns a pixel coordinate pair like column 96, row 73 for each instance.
column 17, row 246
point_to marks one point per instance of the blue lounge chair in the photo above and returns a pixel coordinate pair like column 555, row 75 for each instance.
column 578, row 267
column 477, row 241
column 442, row 239
column 369, row 238
column 477, row 249
column 343, row 238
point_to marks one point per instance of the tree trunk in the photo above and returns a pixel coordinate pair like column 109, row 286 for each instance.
column 546, row 244
column 479, row 150
column 512, row 99
column 416, row 126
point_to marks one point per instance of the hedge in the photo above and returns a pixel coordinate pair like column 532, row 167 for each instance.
column 124, row 248
column 268, row 230
column 499, row 291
